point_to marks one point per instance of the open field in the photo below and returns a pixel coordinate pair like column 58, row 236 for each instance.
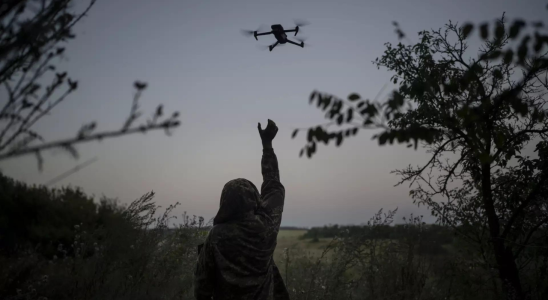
column 291, row 239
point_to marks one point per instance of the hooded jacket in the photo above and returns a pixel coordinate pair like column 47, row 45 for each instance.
column 235, row 261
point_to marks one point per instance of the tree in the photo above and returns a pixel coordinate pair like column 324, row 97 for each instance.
column 474, row 116
column 32, row 34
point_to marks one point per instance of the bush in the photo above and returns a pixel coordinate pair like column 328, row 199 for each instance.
column 114, row 252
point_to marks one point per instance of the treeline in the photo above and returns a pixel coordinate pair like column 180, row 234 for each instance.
column 41, row 218
column 432, row 236
column 442, row 234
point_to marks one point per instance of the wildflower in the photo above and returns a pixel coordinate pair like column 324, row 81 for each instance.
column 45, row 278
column 76, row 226
column 132, row 247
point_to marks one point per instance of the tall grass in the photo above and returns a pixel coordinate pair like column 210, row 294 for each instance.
column 136, row 257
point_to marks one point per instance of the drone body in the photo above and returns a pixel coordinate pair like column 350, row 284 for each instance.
column 280, row 34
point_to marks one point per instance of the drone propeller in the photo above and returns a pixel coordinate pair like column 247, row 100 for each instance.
column 252, row 32
column 301, row 22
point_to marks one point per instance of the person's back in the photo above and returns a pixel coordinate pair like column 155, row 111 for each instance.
column 235, row 262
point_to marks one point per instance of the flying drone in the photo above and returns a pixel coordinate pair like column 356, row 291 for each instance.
column 280, row 34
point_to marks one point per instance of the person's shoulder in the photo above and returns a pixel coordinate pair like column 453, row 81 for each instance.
column 222, row 231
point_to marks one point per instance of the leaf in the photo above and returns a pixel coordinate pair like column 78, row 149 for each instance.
column 339, row 139
column 312, row 96
column 484, row 30
column 350, row 115
column 368, row 122
column 326, row 102
column 353, row 97
column 516, row 28
column 301, row 153
column 310, row 135
column 497, row 74
column 466, row 30
column 294, row 133
column 383, row 138
column 499, row 31
column 340, row 119
column 354, row 131
column 360, row 104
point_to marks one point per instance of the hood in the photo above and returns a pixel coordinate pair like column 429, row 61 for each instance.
column 239, row 201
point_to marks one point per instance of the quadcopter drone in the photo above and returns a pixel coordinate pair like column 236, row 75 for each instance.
column 279, row 33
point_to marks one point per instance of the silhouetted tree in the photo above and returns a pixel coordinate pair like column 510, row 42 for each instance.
column 475, row 116
column 32, row 34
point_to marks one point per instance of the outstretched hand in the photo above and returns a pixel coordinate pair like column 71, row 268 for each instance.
column 269, row 133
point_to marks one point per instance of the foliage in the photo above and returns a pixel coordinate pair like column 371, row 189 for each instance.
column 32, row 35
column 475, row 118
column 369, row 266
column 101, row 250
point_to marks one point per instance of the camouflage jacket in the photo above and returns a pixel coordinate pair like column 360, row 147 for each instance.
column 235, row 262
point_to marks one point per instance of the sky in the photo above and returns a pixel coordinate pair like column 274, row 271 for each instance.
column 195, row 61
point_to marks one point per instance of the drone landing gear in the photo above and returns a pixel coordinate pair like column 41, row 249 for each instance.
column 272, row 46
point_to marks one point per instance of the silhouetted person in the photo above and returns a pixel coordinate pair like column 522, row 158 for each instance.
column 235, row 262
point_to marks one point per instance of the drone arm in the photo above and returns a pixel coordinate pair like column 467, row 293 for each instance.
column 264, row 33
column 296, row 30
column 296, row 44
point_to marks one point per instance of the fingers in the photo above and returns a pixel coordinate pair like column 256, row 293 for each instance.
column 259, row 127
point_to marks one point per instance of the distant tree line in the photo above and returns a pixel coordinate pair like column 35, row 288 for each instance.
column 439, row 233
column 433, row 236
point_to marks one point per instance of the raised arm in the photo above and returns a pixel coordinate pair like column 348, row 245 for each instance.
column 272, row 190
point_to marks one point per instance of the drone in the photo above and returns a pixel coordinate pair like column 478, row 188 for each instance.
column 280, row 34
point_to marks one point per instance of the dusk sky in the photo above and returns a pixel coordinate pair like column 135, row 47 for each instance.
column 195, row 60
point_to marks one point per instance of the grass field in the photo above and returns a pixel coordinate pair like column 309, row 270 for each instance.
column 291, row 239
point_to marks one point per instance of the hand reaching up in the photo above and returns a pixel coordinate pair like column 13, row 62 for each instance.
column 269, row 133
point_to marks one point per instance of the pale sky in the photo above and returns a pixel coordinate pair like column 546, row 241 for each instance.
column 195, row 60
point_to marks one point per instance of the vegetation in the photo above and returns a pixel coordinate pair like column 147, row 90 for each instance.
column 475, row 117
column 32, row 38
column 61, row 244
column 471, row 112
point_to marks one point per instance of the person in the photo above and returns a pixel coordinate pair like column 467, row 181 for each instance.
column 236, row 259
